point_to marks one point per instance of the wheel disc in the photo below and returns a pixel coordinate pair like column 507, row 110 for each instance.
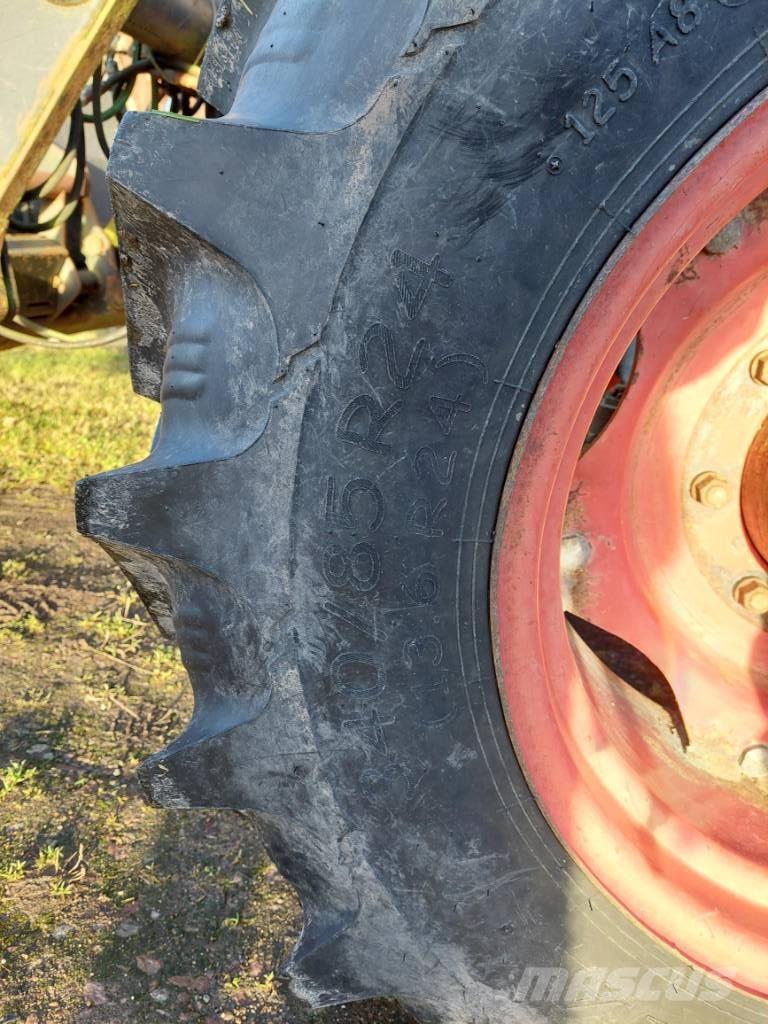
column 630, row 594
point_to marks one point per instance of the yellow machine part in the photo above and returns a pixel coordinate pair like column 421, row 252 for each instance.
column 49, row 50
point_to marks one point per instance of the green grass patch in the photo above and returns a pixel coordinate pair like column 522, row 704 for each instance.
column 16, row 775
column 12, row 871
column 64, row 415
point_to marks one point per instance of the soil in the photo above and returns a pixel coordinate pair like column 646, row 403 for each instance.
column 111, row 910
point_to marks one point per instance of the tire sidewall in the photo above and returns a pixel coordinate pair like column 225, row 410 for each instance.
column 486, row 234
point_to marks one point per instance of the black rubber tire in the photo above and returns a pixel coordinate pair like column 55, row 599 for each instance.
column 318, row 513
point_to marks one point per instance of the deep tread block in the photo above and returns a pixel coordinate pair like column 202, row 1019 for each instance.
column 326, row 182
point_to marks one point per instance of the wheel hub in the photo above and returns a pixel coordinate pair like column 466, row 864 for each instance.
column 754, row 495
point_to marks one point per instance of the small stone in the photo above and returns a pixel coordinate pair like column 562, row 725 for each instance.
column 94, row 993
column 38, row 749
column 155, row 915
column 148, row 964
column 199, row 984
column 61, row 931
column 126, row 929
column 160, row 995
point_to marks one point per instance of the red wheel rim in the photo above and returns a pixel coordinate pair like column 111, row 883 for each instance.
column 677, row 834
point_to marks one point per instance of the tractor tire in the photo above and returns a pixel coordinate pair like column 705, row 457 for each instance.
column 348, row 313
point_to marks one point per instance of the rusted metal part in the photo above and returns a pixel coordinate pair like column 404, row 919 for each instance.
column 754, row 492
column 55, row 48
column 175, row 28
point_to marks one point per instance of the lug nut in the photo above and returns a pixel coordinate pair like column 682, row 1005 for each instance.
column 711, row 490
column 575, row 552
column 752, row 594
column 758, row 368
column 754, row 762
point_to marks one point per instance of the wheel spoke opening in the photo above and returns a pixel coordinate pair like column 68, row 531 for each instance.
column 628, row 665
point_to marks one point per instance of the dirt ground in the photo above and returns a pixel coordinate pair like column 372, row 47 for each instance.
column 111, row 911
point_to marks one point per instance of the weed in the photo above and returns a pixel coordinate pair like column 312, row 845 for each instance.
column 14, row 569
column 165, row 661
column 60, row 887
column 15, row 775
column 13, row 871
column 36, row 695
column 267, row 985
column 49, row 857
column 22, row 628
column 112, row 632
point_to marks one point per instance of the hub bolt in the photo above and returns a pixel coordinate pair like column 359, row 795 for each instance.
column 758, row 368
column 752, row 594
column 754, row 762
column 711, row 490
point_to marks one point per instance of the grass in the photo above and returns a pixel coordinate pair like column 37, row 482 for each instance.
column 16, row 775
column 49, row 857
column 14, row 569
column 69, row 414
column 13, row 871
column 60, row 887
column 23, row 626
column 114, row 631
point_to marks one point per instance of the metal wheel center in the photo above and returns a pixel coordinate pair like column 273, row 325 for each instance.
column 630, row 608
column 754, row 489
